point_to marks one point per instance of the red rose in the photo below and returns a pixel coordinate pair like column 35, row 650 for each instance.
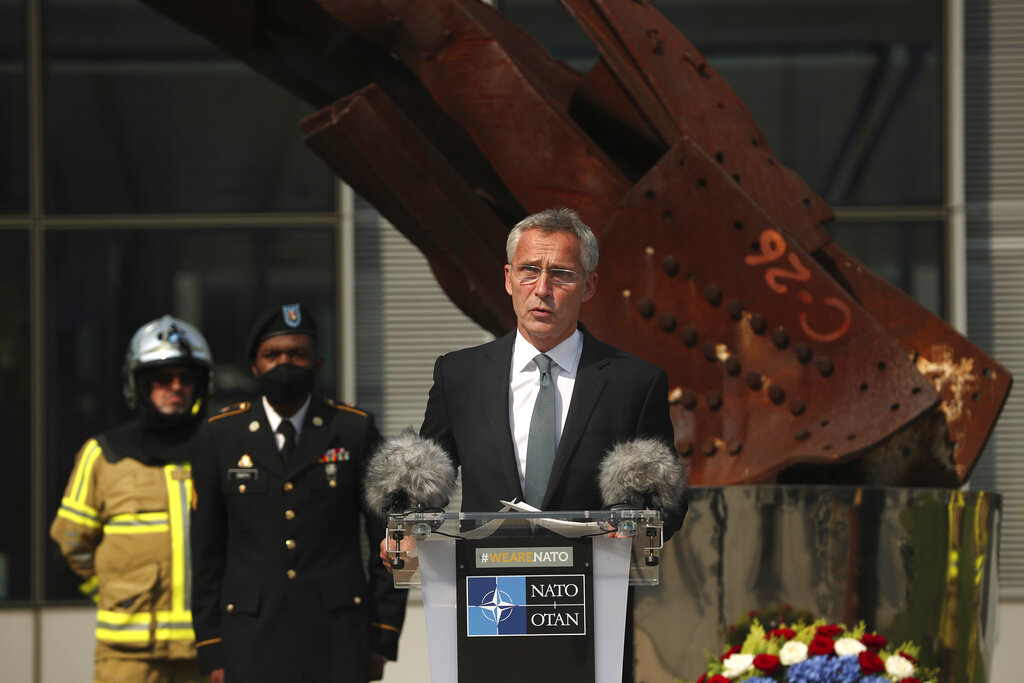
column 766, row 663
column 718, row 678
column 874, row 641
column 830, row 631
column 870, row 663
column 821, row 645
column 780, row 633
column 911, row 679
column 910, row 659
column 702, row 678
column 728, row 653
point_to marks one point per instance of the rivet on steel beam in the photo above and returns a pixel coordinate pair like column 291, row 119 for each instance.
column 645, row 307
column 666, row 215
column 754, row 380
column 807, row 201
column 734, row 447
column 802, row 351
column 670, row 265
column 780, row 337
column 825, row 366
column 689, row 399
column 719, row 157
column 738, row 225
column 753, row 141
column 736, row 177
column 649, row 250
column 709, row 446
column 881, row 365
column 776, row 394
column 686, row 449
column 714, row 400
column 689, row 335
column 802, row 435
column 649, row 194
column 713, row 294
column 758, row 324
column 710, row 350
column 667, row 321
column 732, row 365
column 796, row 406
column 701, row 182
column 735, row 309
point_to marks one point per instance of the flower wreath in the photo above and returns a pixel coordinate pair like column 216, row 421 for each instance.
column 816, row 653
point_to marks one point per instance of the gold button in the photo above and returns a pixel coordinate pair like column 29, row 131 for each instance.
column 333, row 483
column 288, row 486
column 290, row 544
column 241, row 488
column 289, row 514
column 290, row 573
column 358, row 600
column 230, row 607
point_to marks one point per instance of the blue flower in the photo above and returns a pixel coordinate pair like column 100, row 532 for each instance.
column 759, row 679
column 811, row 670
column 842, row 669
column 876, row 679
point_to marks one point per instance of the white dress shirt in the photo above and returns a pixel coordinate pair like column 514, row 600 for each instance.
column 524, row 383
column 275, row 420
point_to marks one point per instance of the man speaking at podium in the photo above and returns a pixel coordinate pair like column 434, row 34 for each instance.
column 532, row 415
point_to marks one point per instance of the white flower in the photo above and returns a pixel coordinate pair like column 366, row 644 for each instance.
column 737, row 665
column 849, row 646
column 792, row 653
column 899, row 667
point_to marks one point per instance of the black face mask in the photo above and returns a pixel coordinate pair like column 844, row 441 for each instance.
column 286, row 385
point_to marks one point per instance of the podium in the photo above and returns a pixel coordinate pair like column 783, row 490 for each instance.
column 526, row 596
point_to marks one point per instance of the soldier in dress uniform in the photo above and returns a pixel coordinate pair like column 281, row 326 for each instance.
column 280, row 592
column 124, row 518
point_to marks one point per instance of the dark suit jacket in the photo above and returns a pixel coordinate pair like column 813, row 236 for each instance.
column 616, row 397
column 279, row 591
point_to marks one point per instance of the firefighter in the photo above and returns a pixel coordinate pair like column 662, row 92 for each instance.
column 123, row 523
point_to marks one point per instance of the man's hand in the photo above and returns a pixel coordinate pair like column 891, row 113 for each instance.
column 376, row 667
column 217, row 676
column 407, row 544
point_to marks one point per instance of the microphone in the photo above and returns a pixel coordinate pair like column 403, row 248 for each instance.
column 643, row 473
column 408, row 471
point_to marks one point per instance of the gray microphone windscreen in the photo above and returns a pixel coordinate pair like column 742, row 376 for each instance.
column 643, row 472
column 408, row 471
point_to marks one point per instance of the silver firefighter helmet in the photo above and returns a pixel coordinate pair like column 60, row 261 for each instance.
column 166, row 341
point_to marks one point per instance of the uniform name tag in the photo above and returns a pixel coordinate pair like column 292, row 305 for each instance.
column 243, row 475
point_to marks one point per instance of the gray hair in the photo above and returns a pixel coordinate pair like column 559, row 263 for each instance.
column 557, row 220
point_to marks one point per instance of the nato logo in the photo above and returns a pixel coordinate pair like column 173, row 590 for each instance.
column 525, row 605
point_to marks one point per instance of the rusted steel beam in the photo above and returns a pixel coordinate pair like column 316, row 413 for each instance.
column 771, row 361
column 787, row 358
column 391, row 163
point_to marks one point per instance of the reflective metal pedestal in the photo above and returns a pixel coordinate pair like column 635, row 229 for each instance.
column 914, row 564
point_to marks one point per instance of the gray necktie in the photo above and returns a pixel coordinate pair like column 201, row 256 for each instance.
column 540, row 448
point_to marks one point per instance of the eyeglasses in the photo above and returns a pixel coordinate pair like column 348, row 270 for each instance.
column 527, row 275
column 167, row 377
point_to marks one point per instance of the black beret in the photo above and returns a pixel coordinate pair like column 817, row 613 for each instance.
column 287, row 319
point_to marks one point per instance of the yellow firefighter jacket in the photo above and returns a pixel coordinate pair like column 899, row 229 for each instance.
column 123, row 527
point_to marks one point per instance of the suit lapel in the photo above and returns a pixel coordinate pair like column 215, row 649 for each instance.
column 259, row 443
column 315, row 437
column 587, row 391
column 494, row 397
